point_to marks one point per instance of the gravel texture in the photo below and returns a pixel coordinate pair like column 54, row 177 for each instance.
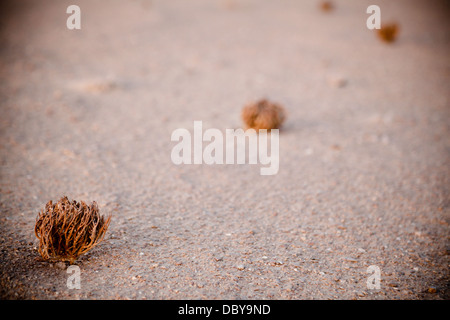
column 364, row 173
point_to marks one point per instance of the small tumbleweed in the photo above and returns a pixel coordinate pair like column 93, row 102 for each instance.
column 67, row 229
column 263, row 114
column 388, row 32
column 326, row 6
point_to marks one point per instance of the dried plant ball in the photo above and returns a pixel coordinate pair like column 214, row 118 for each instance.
column 67, row 229
column 263, row 114
column 388, row 32
column 326, row 6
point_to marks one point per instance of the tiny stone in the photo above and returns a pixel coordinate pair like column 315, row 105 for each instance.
column 240, row 267
column 60, row 265
column 351, row 259
column 336, row 81
column 309, row 151
column 361, row 294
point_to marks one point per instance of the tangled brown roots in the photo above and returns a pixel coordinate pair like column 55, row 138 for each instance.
column 388, row 32
column 263, row 115
column 67, row 229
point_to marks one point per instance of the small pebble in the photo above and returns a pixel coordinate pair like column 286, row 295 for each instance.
column 336, row 81
column 309, row 151
column 60, row 265
column 361, row 294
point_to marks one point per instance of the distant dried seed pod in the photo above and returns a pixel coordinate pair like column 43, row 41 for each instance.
column 326, row 6
column 263, row 115
column 388, row 32
column 68, row 229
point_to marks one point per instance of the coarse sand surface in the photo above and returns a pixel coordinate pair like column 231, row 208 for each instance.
column 364, row 173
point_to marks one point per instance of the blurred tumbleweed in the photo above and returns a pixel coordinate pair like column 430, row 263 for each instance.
column 388, row 32
column 326, row 6
column 263, row 114
column 67, row 229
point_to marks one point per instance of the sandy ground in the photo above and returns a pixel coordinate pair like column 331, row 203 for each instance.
column 364, row 168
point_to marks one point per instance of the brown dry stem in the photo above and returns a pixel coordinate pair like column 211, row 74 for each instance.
column 68, row 229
